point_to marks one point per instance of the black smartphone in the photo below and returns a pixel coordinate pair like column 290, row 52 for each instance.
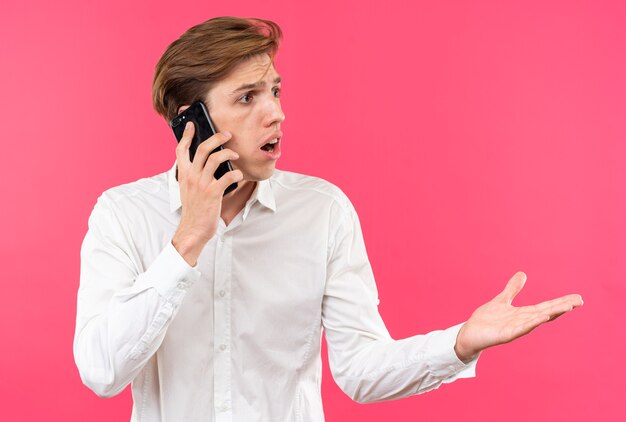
column 204, row 129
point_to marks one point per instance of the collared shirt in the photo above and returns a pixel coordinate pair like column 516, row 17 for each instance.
column 237, row 337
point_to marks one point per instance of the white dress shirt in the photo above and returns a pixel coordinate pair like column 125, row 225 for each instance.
column 237, row 337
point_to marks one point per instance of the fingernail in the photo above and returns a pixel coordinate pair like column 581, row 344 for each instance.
column 227, row 133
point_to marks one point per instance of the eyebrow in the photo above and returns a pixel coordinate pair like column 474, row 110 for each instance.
column 254, row 85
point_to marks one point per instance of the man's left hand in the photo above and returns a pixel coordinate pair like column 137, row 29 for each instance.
column 498, row 322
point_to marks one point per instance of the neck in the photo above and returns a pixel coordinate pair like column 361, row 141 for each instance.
column 234, row 202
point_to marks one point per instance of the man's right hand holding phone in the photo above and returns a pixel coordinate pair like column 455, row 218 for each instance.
column 200, row 193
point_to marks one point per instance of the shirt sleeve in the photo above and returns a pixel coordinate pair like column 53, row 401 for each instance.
column 367, row 364
column 122, row 313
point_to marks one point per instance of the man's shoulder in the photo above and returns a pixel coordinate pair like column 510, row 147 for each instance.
column 302, row 184
column 146, row 189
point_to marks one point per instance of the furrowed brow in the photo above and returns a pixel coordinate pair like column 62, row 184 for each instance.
column 255, row 85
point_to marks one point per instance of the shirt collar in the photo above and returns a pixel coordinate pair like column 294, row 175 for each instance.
column 262, row 192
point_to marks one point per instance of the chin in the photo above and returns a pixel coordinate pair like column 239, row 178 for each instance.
column 257, row 175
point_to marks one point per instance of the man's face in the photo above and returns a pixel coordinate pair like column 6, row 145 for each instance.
column 247, row 104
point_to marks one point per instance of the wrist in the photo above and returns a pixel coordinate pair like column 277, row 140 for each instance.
column 463, row 353
column 188, row 247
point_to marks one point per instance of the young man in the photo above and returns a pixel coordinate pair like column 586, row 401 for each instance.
column 213, row 306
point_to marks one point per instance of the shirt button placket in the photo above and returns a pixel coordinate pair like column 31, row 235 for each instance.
column 221, row 342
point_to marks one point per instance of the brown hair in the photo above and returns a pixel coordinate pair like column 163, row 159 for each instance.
column 205, row 54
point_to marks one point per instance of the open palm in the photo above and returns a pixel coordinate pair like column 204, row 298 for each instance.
column 498, row 321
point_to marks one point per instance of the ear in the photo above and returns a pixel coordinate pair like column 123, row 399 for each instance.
column 182, row 108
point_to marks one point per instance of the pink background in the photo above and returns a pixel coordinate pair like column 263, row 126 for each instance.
column 475, row 138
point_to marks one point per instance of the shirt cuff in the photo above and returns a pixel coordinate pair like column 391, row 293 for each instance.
column 167, row 272
column 445, row 363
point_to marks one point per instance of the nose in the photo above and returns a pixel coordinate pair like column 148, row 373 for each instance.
column 274, row 113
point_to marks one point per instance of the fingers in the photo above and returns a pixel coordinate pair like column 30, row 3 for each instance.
column 532, row 320
column 205, row 162
column 558, row 310
column 571, row 301
column 206, row 148
column 182, row 150
column 229, row 178
column 530, row 317
column 214, row 161
column 513, row 287
column 552, row 318
column 538, row 320
column 550, row 310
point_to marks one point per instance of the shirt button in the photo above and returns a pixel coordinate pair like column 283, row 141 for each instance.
column 222, row 293
column 222, row 347
column 224, row 408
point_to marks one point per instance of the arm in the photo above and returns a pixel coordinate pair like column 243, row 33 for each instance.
column 365, row 361
column 370, row 366
column 122, row 313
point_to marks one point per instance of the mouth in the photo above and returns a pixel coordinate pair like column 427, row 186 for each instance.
column 271, row 145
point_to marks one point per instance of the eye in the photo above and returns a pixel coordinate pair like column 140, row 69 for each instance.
column 277, row 92
column 246, row 98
